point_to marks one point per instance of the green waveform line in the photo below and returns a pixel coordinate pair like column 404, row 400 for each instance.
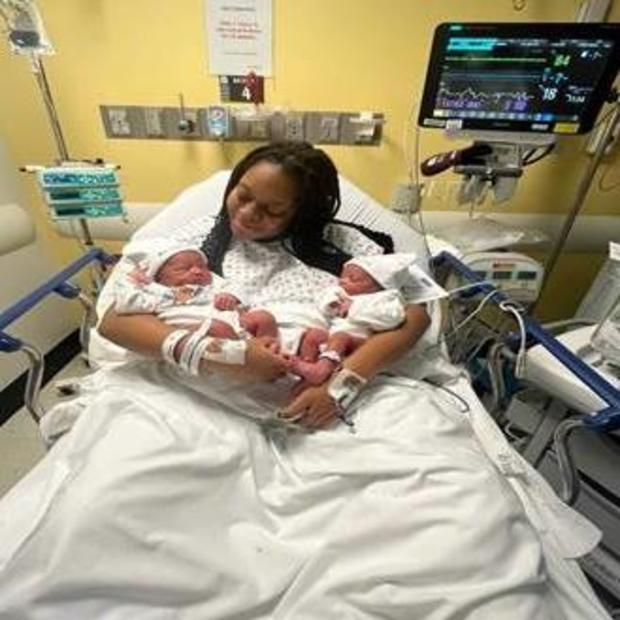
column 488, row 59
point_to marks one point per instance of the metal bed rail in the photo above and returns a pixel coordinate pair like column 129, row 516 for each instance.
column 60, row 285
column 605, row 420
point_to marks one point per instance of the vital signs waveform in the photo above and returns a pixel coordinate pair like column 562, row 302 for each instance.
column 471, row 99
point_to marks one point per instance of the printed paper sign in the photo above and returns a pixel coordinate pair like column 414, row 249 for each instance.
column 238, row 36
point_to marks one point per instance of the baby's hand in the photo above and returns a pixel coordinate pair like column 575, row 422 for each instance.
column 343, row 307
column 138, row 276
column 225, row 301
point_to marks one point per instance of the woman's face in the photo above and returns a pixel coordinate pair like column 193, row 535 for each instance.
column 262, row 204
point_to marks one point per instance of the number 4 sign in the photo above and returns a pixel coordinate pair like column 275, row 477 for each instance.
column 242, row 88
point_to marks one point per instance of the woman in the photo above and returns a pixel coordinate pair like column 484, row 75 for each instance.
column 282, row 196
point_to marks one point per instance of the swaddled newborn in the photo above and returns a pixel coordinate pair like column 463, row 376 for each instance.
column 175, row 283
column 367, row 300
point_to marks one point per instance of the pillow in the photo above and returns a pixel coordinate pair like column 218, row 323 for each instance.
column 205, row 198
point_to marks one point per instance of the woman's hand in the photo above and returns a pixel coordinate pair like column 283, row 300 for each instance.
column 311, row 407
column 262, row 361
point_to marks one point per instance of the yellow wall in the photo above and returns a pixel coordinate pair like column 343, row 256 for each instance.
column 329, row 54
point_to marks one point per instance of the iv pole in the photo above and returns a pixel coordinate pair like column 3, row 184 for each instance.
column 32, row 43
column 582, row 191
column 589, row 11
column 61, row 145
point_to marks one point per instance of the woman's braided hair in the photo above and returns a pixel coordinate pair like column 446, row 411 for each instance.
column 317, row 202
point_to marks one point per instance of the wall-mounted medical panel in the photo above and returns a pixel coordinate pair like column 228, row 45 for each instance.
column 81, row 191
column 241, row 124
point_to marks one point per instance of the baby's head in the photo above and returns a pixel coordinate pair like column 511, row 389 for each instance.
column 184, row 267
column 370, row 274
column 357, row 281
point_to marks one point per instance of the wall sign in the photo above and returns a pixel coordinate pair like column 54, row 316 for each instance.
column 238, row 36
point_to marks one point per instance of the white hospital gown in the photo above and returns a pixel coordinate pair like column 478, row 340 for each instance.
column 276, row 281
column 268, row 275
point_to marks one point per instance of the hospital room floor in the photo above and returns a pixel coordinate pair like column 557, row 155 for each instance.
column 21, row 446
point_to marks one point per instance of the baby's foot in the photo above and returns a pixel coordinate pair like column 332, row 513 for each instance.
column 315, row 373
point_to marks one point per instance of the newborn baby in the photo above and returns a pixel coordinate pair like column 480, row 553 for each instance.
column 367, row 300
column 164, row 279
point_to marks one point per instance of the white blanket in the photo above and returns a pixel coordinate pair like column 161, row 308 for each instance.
column 161, row 503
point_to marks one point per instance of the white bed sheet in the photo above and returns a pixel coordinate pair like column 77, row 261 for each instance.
column 162, row 503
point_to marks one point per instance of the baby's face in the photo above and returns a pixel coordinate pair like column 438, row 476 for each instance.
column 184, row 268
column 355, row 281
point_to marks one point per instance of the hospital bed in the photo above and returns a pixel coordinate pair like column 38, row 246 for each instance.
column 309, row 526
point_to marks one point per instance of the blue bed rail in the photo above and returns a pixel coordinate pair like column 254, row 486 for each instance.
column 607, row 419
column 57, row 284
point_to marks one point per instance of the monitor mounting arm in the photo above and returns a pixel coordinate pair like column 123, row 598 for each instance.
column 492, row 162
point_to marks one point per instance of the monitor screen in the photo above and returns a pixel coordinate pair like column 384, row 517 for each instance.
column 545, row 78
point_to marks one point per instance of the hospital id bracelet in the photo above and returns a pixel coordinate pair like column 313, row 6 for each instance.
column 224, row 351
column 345, row 387
column 332, row 356
column 170, row 343
column 190, row 357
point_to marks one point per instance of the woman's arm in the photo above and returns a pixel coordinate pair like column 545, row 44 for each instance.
column 383, row 349
column 145, row 333
column 142, row 333
column 315, row 406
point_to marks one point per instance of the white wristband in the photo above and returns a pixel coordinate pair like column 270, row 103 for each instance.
column 332, row 356
column 225, row 351
column 345, row 386
column 189, row 350
column 170, row 343
column 194, row 362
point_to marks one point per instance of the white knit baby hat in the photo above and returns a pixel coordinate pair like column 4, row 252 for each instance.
column 389, row 270
column 151, row 255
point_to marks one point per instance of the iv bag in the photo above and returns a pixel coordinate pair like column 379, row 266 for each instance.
column 26, row 30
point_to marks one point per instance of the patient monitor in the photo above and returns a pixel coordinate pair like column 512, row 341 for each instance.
column 511, row 88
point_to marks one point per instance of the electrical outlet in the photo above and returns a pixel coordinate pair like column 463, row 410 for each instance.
column 329, row 129
column 152, row 123
column 118, row 119
column 294, row 127
column 259, row 129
